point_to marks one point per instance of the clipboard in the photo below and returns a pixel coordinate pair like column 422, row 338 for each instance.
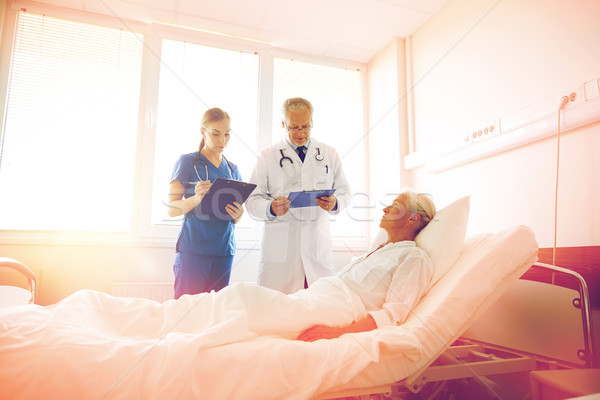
column 223, row 192
column 306, row 198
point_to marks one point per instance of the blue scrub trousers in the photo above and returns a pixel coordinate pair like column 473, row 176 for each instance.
column 197, row 273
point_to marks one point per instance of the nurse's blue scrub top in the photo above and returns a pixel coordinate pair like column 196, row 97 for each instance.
column 200, row 234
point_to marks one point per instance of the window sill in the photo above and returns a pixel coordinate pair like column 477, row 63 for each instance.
column 97, row 239
column 38, row 238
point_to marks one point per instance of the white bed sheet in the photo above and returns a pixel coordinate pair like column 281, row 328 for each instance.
column 71, row 361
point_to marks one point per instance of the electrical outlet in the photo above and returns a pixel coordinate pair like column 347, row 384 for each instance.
column 573, row 95
column 482, row 133
column 492, row 130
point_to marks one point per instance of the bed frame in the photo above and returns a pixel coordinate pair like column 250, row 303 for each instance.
column 24, row 271
column 493, row 358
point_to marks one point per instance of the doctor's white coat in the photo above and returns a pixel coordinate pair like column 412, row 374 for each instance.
column 297, row 244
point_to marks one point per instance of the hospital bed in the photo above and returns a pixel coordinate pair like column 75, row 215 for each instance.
column 432, row 345
column 543, row 321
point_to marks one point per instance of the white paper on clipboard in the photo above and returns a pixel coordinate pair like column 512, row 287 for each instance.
column 306, row 198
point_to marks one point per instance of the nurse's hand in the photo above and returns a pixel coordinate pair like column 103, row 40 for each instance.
column 235, row 210
column 326, row 203
column 201, row 188
column 280, row 206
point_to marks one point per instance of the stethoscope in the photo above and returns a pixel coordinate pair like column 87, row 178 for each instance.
column 318, row 157
column 206, row 169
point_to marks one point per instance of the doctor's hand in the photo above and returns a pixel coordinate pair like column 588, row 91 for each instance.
column 201, row 188
column 327, row 203
column 280, row 206
column 235, row 210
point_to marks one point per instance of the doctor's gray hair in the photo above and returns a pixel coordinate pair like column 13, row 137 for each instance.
column 422, row 204
column 296, row 104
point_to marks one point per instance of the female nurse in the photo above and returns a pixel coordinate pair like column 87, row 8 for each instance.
column 206, row 245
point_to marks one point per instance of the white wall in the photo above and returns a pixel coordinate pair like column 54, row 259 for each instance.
column 386, row 105
column 478, row 60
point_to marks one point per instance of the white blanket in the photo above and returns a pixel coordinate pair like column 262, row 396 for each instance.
column 130, row 349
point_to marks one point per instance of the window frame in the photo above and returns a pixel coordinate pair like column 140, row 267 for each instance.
column 50, row 237
column 142, row 232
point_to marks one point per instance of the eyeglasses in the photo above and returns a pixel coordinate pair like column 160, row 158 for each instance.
column 295, row 129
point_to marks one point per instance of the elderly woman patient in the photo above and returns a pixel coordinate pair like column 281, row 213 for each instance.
column 392, row 279
column 378, row 289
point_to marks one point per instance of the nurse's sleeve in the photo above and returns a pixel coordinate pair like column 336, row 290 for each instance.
column 181, row 167
column 258, row 204
column 343, row 193
column 410, row 282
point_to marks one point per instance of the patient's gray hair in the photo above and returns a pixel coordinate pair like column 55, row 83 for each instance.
column 422, row 204
column 296, row 104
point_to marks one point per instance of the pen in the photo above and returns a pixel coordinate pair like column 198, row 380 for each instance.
column 271, row 196
column 327, row 169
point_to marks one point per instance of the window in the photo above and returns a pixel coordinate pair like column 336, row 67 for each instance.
column 337, row 98
column 82, row 150
column 194, row 78
column 68, row 141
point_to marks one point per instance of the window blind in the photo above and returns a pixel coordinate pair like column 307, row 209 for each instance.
column 67, row 151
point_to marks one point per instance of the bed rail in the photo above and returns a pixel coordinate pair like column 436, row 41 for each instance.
column 10, row 263
column 584, row 304
column 546, row 314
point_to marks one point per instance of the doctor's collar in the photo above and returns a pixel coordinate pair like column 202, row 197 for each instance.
column 307, row 144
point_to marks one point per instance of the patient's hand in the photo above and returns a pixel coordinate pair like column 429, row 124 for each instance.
column 320, row 332
column 331, row 332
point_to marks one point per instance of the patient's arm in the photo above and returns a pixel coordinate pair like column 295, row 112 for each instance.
column 331, row 332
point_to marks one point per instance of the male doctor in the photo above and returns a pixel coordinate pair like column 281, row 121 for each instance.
column 296, row 245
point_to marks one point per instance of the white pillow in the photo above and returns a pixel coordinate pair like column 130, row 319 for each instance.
column 443, row 238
